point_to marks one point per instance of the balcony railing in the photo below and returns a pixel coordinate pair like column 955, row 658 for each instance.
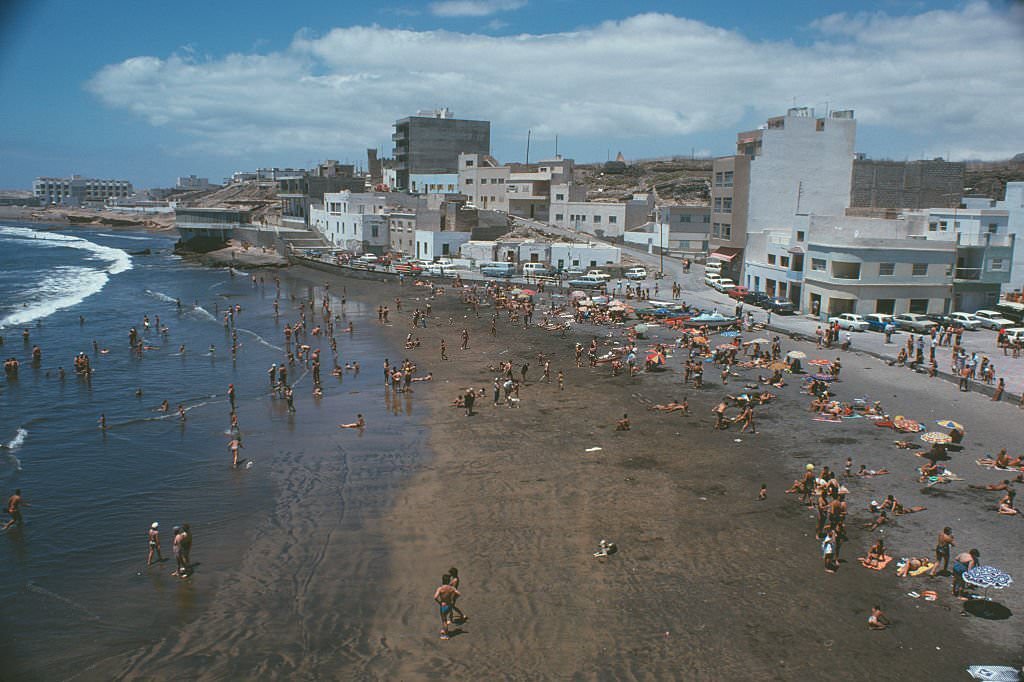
column 972, row 274
column 985, row 239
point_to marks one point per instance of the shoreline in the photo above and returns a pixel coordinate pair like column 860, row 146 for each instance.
column 88, row 218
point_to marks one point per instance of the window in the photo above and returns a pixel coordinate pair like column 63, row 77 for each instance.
column 559, row 197
column 784, row 261
column 559, row 216
column 718, row 204
column 469, row 163
column 718, row 179
column 685, row 218
column 818, row 264
column 727, row 205
column 799, row 235
column 374, row 231
column 992, row 228
column 501, row 181
column 886, row 269
column 919, row 306
column 469, row 181
column 885, row 306
column 728, row 178
column 995, row 264
column 613, row 219
column 726, row 231
column 841, row 270
column 446, row 249
column 597, row 219
column 932, row 227
column 942, row 225
column 920, row 269
column 716, row 230
column 771, row 259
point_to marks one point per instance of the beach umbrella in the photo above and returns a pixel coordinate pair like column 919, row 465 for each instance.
column 819, row 362
column 798, row 354
column 528, row 292
column 909, row 425
column 949, row 424
column 578, row 294
column 729, row 334
column 823, row 377
column 759, row 339
column 988, row 578
column 725, row 346
column 936, row 437
column 641, row 328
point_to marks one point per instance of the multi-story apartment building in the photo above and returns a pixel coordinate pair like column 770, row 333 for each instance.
column 353, row 221
column 680, row 231
column 77, row 191
column 1013, row 204
column 299, row 190
column 430, row 142
column 793, row 164
column 829, row 265
column 483, row 181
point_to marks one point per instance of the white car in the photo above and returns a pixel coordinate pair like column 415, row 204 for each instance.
column 724, row 285
column 1015, row 335
column 367, row 258
column 638, row 272
column 993, row 320
column 710, row 279
column 966, row 320
column 604, row 276
column 850, row 321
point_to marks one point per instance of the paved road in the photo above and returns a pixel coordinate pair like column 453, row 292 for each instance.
column 695, row 292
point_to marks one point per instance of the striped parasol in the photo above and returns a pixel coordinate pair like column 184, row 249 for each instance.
column 949, row 424
column 934, row 437
column 819, row 362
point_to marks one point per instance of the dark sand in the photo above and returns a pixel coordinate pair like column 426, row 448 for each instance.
column 707, row 584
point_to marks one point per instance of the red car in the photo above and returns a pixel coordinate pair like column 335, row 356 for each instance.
column 739, row 292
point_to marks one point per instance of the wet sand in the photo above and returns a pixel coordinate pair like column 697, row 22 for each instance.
column 708, row 583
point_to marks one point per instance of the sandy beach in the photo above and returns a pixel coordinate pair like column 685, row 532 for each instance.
column 708, row 582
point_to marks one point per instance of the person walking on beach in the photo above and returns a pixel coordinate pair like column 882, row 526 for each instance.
column 454, row 582
column 465, row 339
column 445, row 596
column 444, row 350
column 176, row 549
column 154, row 544
column 469, row 399
column 943, row 547
column 14, row 504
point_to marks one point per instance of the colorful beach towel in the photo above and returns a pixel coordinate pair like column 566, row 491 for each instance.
column 878, row 566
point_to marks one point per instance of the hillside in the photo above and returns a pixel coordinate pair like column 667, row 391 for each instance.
column 259, row 197
column 989, row 178
column 675, row 181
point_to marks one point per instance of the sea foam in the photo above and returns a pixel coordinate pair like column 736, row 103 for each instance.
column 65, row 286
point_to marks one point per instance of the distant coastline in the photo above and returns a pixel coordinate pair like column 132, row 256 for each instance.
column 84, row 217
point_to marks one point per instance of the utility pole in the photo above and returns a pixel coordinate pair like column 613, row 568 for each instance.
column 528, row 146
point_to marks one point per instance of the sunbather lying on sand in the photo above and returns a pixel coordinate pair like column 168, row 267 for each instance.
column 1005, row 485
column 864, row 471
column 674, row 406
column 904, row 444
column 911, row 565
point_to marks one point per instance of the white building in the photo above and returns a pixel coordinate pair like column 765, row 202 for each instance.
column 837, row 264
column 478, row 251
column 76, row 190
column 1013, row 204
column 681, row 231
column 431, row 245
column 352, row 221
column 565, row 255
column 603, row 218
column 484, row 181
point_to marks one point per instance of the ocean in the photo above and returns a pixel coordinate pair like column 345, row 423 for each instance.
column 74, row 583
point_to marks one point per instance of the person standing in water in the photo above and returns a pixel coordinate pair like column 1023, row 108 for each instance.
column 154, row 544
column 14, row 503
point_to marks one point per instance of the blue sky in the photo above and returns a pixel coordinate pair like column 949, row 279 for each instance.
column 147, row 92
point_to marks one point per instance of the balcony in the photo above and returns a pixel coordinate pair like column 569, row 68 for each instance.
column 967, row 274
column 985, row 239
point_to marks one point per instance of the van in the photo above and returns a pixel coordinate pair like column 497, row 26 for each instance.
column 534, row 269
column 713, row 266
column 498, row 269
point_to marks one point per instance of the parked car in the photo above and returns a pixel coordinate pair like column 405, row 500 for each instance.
column 710, row 278
column 914, row 322
column 367, row 258
column 780, row 306
column 574, row 270
column 638, row 272
column 850, row 321
column 534, row 269
column 941, row 319
column 966, row 320
column 588, row 282
column 724, row 285
column 739, row 293
column 1015, row 335
column 597, row 273
column 992, row 319
column 758, row 298
column 498, row 269
column 878, row 321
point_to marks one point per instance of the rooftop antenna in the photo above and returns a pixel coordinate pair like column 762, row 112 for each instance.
column 528, row 131
column 556, row 145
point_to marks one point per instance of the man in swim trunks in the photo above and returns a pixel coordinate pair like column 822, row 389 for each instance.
column 14, row 503
column 154, row 544
column 942, row 548
column 445, row 596
column 964, row 562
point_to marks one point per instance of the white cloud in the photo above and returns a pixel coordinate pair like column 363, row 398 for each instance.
column 474, row 8
column 949, row 77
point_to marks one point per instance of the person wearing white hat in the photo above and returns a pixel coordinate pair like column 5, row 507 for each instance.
column 154, row 543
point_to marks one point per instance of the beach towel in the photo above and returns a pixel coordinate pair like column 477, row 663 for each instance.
column 994, row 673
column 878, row 566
